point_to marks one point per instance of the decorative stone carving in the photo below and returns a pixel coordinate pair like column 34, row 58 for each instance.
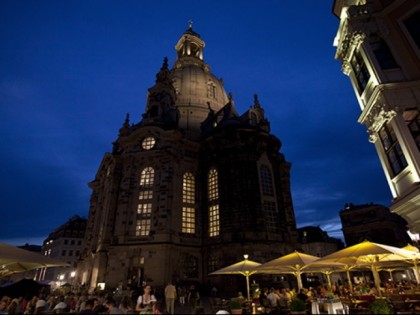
column 378, row 115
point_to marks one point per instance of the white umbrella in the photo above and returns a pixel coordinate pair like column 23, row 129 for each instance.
column 14, row 259
column 293, row 263
column 368, row 254
column 245, row 267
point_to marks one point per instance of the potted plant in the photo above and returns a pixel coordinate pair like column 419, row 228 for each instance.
column 297, row 306
column 235, row 307
column 380, row 307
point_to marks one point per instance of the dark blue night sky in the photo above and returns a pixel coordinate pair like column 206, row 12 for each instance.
column 71, row 70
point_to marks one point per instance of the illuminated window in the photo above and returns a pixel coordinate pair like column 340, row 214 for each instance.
column 393, row 150
column 146, row 194
column 412, row 119
column 214, row 226
column 188, row 189
column 143, row 227
column 144, row 207
column 270, row 215
column 188, row 200
column 413, row 26
column 213, row 193
column 266, row 181
column 148, row 143
column 213, row 185
column 360, row 71
column 147, row 177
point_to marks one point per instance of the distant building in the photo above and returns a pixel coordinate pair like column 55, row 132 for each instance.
column 316, row 242
column 375, row 223
column 64, row 244
column 378, row 43
column 189, row 188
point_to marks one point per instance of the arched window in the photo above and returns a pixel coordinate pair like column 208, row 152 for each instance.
column 211, row 90
column 147, row 177
column 188, row 203
column 269, row 204
column 144, row 207
column 266, row 181
column 213, row 195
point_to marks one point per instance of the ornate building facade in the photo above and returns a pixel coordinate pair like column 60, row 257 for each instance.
column 378, row 43
column 189, row 188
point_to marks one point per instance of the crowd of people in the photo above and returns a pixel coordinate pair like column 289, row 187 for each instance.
column 100, row 302
column 150, row 301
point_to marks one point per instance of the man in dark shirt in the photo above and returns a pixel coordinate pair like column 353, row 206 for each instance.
column 302, row 295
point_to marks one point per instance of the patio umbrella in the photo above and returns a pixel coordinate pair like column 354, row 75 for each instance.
column 414, row 260
column 14, row 259
column 368, row 254
column 293, row 263
column 245, row 267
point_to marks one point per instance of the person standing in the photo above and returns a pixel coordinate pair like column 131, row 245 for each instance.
column 145, row 302
column 170, row 296
column 193, row 299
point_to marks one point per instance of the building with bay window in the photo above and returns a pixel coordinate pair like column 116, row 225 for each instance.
column 378, row 44
column 189, row 187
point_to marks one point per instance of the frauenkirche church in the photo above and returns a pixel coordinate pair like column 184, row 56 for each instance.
column 189, row 188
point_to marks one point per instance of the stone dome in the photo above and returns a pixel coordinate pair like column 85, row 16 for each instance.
column 197, row 89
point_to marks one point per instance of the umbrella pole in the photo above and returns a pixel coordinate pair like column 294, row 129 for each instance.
column 390, row 275
column 299, row 280
column 247, row 286
column 349, row 280
column 329, row 280
column 376, row 279
column 416, row 272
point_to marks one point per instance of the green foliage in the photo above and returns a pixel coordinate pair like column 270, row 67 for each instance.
column 380, row 307
column 297, row 305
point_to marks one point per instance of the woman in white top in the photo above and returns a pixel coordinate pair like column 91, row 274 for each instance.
column 145, row 302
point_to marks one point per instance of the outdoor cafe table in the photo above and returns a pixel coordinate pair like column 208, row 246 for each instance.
column 332, row 307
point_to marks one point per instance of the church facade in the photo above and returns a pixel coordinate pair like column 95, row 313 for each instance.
column 190, row 188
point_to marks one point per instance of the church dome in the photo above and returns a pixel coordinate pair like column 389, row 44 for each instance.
column 197, row 90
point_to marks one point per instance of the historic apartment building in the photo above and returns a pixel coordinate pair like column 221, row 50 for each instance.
column 65, row 244
column 375, row 223
column 190, row 187
column 378, row 43
column 315, row 241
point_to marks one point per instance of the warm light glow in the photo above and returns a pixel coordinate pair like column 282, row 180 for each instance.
column 188, row 200
column 246, row 256
column 61, row 277
column 101, row 285
column 73, row 274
